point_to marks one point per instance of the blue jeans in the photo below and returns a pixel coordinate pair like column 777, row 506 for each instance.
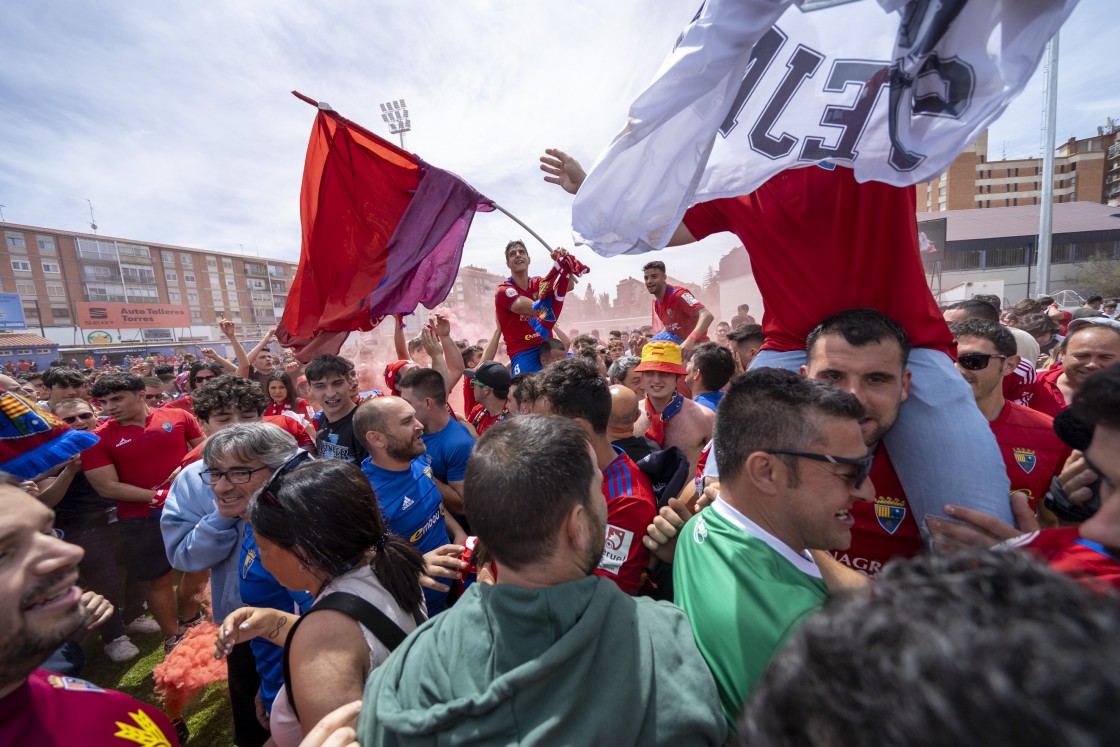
column 941, row 446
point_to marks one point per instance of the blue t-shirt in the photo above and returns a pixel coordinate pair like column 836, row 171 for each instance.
column 413, row 510
column 708, row 399
column 449, row 449
column 259, row 588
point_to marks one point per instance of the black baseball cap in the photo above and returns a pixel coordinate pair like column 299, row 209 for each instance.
column 491, row 374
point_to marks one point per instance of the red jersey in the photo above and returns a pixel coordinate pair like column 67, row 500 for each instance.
column 302, row 408
column 291, row 425
column 885, row 529
column 678, row 313
column 819, row 243
column 1018, row 386
column 631, row 506
column 1066, row 551
column 183, row 403
column 518, row 334
column 482, row 420
column 1032, row 452
column 50, row 709
column 144, row 455
column 1048, row 398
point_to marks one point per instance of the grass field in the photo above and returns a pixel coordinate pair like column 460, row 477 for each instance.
column 208, row 717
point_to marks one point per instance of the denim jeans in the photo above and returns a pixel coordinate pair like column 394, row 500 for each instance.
column 941, row 446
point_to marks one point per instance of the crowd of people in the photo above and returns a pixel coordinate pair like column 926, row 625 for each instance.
column 639, row 537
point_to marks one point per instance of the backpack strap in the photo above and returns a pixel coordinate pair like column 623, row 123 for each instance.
column 353, row 606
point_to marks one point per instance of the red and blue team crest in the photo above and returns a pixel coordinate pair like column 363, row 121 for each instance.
column 890, row 512
column 1025, row 458
column 73, row 684
column 167, row 427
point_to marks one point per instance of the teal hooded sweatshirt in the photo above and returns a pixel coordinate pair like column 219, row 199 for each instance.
column 580, row 663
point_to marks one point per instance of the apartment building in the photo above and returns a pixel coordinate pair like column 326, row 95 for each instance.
column 86, row 289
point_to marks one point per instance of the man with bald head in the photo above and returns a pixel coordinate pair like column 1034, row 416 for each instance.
column 620, row 427
column 401, row 475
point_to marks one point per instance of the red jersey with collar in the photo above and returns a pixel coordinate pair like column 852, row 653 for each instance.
column 1018, row 386
column 144, row 455
column 1048, row 398
column 518, row 334
column 50, row 709
column 885, row 529
column 631, row 506
column 302, row 408
column 678, row 313
column 483, row 421
column 819, row 243
column 1032, row 452
column 1068, row 552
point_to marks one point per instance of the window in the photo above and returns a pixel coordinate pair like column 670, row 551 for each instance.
column 227, row 264
column 230, row 283
column 51, row 268
column 132, row 250
column 56, row 290
column 255, row 284
column 45, row 244
column 102, row 293
column 142, row 294
column 26, row 289
column 21, row 265
column 93, row 249
column 192, row 296
column 138, row 274
column 171, row 277
column 30, row 312
column 196, row 315
column 188, row 278
column 168, row 258
column 15, row 242
column 186, row 260
column 60, row 313
column 174, row 296
column 211, row 263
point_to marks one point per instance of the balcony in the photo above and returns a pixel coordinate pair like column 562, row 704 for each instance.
column 105, row 251
column 279, row 287
column 252, row 268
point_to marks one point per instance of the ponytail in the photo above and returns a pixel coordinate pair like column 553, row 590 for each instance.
column 398, row 566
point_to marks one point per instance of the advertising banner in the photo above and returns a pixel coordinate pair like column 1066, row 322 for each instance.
column 11, row 312
column 132, row 316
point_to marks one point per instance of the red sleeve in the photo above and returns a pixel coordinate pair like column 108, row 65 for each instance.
column 624, row 556
column 705, row 219
column 194, row 430
column 505, row 296
column 98, row 454
column 690, row 303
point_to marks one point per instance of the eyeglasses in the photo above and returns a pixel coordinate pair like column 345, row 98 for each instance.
column 479, row 384
column 75, row 418
column 235, row 476
column 272, row 488
column 864, row 463
column 151, row 397
column 204, row 378
column 976, row 361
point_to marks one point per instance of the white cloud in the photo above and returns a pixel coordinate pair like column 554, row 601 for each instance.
column 175, row 118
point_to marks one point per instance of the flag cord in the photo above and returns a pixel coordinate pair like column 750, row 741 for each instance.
column 519, row 222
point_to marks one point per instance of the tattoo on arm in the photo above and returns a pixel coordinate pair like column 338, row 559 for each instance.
column 279, row 624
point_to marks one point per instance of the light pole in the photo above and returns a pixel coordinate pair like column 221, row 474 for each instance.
column 395, row 114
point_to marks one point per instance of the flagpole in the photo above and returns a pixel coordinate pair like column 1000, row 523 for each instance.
column 519, row 222
column 1046, row 204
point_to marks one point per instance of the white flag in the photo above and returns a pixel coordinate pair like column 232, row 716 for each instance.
column 895, row 89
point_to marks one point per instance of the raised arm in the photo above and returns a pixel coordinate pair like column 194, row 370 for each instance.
column 398, row 338
column 452, row 356
column 492, row 346
column 252, row 356
column 242, row 369
column 212, row 355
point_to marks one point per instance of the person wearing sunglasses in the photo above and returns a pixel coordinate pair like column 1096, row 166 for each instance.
column 201, row 372
column 1032, row 453
column 318, row 527
column 793, row 464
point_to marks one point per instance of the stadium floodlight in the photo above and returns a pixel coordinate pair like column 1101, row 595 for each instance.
column 395, row 114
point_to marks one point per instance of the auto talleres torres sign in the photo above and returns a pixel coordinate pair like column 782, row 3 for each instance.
column 132, row 315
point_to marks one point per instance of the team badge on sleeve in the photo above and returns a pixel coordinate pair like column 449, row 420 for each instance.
column 890, row 512
column 616, row 550
column 1026, row 459
column 511, row 292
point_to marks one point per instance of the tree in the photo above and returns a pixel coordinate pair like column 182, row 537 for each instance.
column 1101, row 276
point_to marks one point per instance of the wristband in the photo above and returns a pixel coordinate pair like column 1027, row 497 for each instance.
column 159, row 498
column 1064, row 509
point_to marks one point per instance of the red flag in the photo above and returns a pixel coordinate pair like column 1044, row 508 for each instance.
column 382, row 232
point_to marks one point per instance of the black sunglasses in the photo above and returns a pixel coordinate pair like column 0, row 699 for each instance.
column 864, row 463
column 977, row 361
column 270, row 491
column 75, row 418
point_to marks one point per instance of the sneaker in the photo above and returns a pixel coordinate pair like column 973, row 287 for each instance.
column 142, row 624
column 184, row 624
column 170, row 642
column 181, row 730
column 121, row 649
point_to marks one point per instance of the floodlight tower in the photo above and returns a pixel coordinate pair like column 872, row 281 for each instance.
column 395, row 114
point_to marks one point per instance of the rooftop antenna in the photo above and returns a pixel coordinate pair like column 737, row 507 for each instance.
column 1004, row 150
column 2, row 213
column 92, row 222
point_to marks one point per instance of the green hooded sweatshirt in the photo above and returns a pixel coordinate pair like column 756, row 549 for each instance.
column 580, row 663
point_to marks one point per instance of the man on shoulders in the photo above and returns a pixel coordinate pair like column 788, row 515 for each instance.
column 792, row 464
column 513, row 302
column 683, row 318
column 41, row 607
column 535, row 659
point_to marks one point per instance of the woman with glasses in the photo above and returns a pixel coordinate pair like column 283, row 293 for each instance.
column 318, row 528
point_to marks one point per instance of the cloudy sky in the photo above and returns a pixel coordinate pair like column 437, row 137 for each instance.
column 175, row 119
